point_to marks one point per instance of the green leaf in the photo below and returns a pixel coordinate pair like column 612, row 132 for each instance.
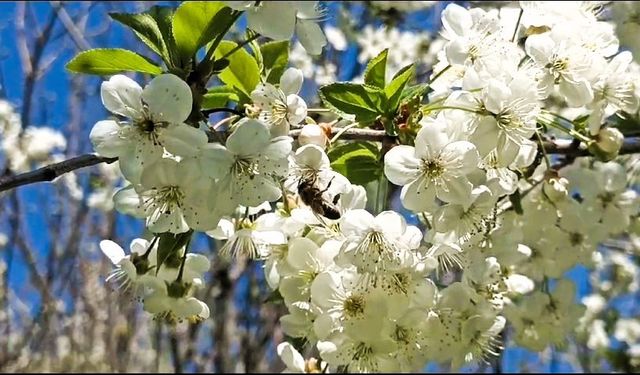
column 375, row 73
column 412, row 92
column 242, row 73
column 106, row 61
column 394, row 89
column 275, row 56
column 196, row 23
column 350, row 99
column 153, row 28
column 358, row 161
column 164, row 18
column 218, row 97
column 169, row 244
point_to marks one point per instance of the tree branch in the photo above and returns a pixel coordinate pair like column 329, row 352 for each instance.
column 50, row 172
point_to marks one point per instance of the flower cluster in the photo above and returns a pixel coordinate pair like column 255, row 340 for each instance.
column 498, row 221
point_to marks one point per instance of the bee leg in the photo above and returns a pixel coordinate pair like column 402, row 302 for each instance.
column 328, row 185
column 336, row 198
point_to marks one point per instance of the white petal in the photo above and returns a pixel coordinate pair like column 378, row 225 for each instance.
column 391, row 223
column 216, row 160
column 138, row 246
column 496, row 94
column 520, row 284
column 183, row 140
column 540, row 48
column 198, row 214
column 112, row 250
column 186, row 307
column 324, row 288
column 419, row 195
column 169, row 98
column 356, row 222
column 456, row 190
column 460, row 157
column 274, row 20
column 159, row 174
column 290, row 356
column 121, row 95
column 130, row 166
column 253, row 191
column 400, row 165
column 576, row 93
column 224, row 231
column 296, row 110
column 311, row 36
column 311, row 156
column 291, row 81
column 163, row 221
column 431, row 138
column 250, row 138
column 127, row 201
column 156, row 303
column 486, row 135
column 278, row 149
column 456, row 19
column 197, row 263
column 106, row 139
column 301, row 253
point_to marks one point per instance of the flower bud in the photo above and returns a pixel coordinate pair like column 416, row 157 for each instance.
column 556, row 188
column 313, row 134
column 607, row 144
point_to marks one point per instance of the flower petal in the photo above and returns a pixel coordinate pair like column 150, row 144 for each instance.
column 127, row 201
column 169, row 99
column 291, row 358
column 183, row 140
column 311, row 36
column 216, row 160
column 291, row 81
column 356, row 222
column 138, row 246
column 456, row 189
column 112, row 250
column 121, row 95
column 250, row 137
column 301, row 254
column 400, row 165
column 419, row 195
column 106, row 139
column 460, row 158
column 262, row 20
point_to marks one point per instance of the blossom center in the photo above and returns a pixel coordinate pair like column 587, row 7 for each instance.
column 147, row 125
column 247, row 167
column 363, row 355
column 432, row 168
column 279, row 111
column 576, row 238
column 558, row 66
column 402, row 335
column 354, row 305
column 164, row 200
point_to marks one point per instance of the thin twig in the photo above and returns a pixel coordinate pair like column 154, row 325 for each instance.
column 50, row 172
column 75, row 33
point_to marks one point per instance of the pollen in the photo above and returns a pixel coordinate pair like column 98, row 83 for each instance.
column 576, row 238
column 432, row 168
column 354, row 306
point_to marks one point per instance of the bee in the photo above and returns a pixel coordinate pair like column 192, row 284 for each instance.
column 311, row 195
